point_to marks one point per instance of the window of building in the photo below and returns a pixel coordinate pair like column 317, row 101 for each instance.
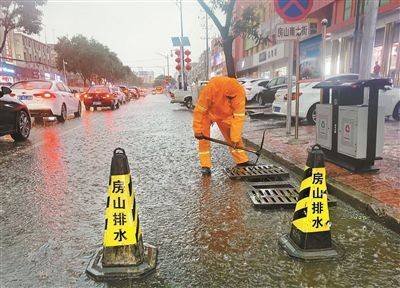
column 347, row 9
column 383, row 2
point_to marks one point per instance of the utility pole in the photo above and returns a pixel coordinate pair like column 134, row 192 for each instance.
column 167, row 59
column 184, row 86
column 289, row 89
column 355, row 66
column 324, row 24
column 368, row 37
column 207, row 56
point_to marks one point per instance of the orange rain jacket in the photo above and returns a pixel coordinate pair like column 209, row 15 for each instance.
column 223, row 99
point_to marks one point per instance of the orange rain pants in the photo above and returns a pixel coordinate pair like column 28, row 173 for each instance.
column 221, row 101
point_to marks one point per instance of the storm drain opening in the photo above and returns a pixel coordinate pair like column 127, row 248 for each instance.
column 273, row 198
column 257, row 173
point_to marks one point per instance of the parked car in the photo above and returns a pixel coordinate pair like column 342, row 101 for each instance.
column 268, row 95
column 14, row 116
column 187, row 98
column 257, row 87
column 47, row 99
column 247, row 84
column 159, row 90
column 125, row 90
column 309, row 98
column 135, row 92
column 101, row 96
column 119, row 94
column 142, row 92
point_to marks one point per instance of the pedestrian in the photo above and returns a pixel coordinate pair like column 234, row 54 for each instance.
column 221, row 101
column 377, row 69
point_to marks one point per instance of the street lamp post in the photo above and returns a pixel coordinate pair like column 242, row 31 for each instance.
column 65, row 74
column 167, row 59
column 184, row 86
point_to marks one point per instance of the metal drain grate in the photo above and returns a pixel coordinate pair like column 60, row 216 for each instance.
column 270, row 184
column 273, row 198
column 256, row 173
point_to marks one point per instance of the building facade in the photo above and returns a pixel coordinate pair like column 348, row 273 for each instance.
column 270, row 57
column 26, row 58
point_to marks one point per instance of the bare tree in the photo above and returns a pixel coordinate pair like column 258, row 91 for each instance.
column 246, row 25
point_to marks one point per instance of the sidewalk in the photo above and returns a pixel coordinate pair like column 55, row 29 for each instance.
column 377, row 194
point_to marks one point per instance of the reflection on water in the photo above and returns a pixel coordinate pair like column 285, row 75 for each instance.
column 54, row 178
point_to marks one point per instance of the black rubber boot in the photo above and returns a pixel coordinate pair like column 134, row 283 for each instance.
column 205, row 171
column 248, row 163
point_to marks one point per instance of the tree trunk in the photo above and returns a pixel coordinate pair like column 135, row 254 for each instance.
column 3, row 42
column 230, row 65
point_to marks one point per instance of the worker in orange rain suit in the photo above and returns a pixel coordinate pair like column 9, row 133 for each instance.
column 221, row 101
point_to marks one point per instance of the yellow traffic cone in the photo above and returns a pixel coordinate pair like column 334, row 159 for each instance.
column 310, row 235
column 123, row 255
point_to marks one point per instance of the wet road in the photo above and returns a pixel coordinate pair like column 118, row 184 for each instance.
column 208, row 235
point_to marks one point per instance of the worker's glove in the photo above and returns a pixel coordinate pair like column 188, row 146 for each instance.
column 199, row 136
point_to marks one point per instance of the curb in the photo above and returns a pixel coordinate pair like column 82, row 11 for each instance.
column 358, row 200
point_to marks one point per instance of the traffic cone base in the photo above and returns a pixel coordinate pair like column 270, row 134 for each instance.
column 123, row 255
column 310, row 254
column 99, row 273
column 310, row 235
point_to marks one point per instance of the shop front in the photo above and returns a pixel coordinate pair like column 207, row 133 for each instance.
column 7, row 73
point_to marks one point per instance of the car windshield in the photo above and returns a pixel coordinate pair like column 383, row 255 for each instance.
column 98, row 89
column 30, row 85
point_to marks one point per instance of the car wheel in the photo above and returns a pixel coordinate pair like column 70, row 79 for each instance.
column 261, row 100
column 63, row 115
column 117, row 105
column 112, row 106
column 312, row 115
column 87, row 108
column 79, row 112
column 396, row 112
column 23, row 126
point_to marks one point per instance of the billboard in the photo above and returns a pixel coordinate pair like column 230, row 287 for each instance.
column 310, row 58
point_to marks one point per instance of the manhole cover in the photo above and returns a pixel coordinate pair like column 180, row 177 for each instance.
column 273, row 198
column 261, row 172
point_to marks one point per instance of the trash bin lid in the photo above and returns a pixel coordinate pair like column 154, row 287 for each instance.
column 342, row 84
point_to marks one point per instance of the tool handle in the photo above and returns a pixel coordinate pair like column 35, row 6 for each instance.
column 230, row 145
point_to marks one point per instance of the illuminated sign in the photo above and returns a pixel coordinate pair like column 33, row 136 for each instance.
column 7, row 70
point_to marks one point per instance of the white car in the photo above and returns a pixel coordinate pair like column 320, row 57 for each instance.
column 247, row 84
column 120, row 95
column 47, row 99
column 309, row 98
column 187, row 98
column 257, row 86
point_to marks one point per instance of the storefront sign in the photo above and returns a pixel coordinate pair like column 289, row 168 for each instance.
column 7, row 69
column 271, row 54
column 292, row 31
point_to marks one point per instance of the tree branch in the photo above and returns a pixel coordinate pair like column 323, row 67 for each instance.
column 229, row 14
column 212, row 15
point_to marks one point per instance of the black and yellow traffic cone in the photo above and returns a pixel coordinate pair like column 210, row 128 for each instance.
column 123, row 255
column 310, row 235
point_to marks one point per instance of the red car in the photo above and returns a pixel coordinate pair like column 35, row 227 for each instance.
column 100, row 96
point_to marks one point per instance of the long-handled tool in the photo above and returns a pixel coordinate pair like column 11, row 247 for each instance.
column 256, row 152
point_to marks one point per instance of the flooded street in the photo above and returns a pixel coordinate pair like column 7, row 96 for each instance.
column 207, row 232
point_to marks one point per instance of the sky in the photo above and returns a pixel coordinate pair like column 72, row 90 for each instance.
column 134, row 29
